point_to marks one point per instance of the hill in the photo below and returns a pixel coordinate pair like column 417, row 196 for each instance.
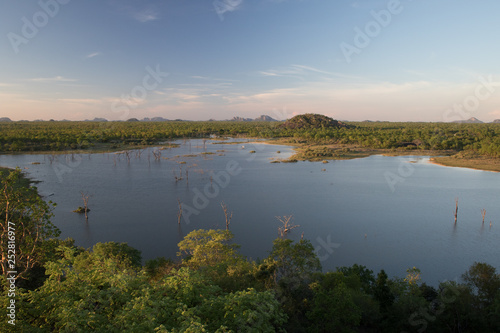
column 264, row 118
column 311, row 121
column 472, row 120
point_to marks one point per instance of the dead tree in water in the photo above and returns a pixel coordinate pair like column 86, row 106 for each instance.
column 456, row 210
column 287, row 226
column 85, row 198
column 127, row 155
column 179, row 213
column 228, row 215
column 180, row 174
column 156, row 154
column 483, row 214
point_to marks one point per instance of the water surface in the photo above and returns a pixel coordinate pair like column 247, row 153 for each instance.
column 383, row 212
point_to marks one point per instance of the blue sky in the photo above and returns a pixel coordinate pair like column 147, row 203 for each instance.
column 393, row 60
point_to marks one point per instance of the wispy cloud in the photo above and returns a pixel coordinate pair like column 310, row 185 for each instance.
column 8, row 85
column 92, row 55
column 224, row 6
column 302, row 72
column 206, row 78
column 146, row 15
column 51, row 79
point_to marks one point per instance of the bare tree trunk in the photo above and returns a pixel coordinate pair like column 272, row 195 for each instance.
column 179, row 213
column 456, row 210
column 228, row 215
column 483, row 214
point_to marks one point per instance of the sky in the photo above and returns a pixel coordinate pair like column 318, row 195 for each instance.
column 355, row 60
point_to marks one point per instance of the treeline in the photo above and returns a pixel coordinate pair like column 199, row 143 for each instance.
column 54, row 136
column 482, row 139
column 211, row 287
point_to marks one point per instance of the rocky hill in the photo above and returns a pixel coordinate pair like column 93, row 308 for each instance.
column 472, row 120
column 311, row 120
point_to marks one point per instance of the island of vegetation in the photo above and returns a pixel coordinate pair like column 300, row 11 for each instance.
column 316, row 137
column 210, row 287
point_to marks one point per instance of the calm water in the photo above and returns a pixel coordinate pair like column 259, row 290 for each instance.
column 387, row 213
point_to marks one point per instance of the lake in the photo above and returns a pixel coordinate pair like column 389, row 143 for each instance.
column 387, row 213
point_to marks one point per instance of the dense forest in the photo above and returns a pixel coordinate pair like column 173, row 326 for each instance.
column 468, row 139
column 210, row 287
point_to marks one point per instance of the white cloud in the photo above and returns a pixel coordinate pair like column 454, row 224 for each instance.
column 92, row 55
column 51, row 79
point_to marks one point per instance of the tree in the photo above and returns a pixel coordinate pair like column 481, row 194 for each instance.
column 205, row 248
column 484, row 281
column 289, row 269
column 293, row 260
column 382, row 292
column 333, row 308
column 25, row 222
column 211, row 252
column 85, row 198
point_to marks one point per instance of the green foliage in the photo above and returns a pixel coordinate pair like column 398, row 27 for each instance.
column 25, row 220
column 333, row 309
column 288, row 270
column 473, row 139
column 211, row 252
column 484, row 282
column 215, row 289
column 102, row 291
column 291, row 260
column 358, row 274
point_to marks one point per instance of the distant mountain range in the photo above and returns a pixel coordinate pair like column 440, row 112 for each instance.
column 472, row 120
column 261, row 118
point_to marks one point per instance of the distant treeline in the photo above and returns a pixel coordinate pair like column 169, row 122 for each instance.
column 482, row 139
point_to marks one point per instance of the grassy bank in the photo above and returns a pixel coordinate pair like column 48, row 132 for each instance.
column 306, row 151
column 479, row 163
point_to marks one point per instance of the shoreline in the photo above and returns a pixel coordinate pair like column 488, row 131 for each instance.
column 305, row 151
column 467, row 164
